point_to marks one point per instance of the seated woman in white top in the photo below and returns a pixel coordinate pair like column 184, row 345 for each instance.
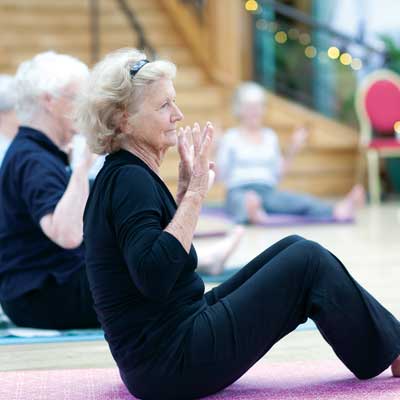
column 251, row 165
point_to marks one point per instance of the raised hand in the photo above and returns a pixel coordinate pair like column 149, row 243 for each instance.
column 299, row 139
column 186, row 154
column 82, row 158
column 201, row 176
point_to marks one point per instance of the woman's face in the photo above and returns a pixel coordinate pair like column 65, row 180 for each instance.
column 154, row 124
column 61, row 109
column 251, row 113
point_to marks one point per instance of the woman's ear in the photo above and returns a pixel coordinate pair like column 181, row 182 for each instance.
column 124, row 121
column 47, row 102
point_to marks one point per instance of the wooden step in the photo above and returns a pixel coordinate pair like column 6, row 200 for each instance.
column 176, row 54
column 333, row 185
column 136, row 5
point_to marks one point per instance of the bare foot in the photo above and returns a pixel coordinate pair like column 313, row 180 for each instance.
column 255, row 211
column 396, row 367
column 213, row 260
column 346, row 208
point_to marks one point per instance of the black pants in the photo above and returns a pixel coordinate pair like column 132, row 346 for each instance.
column 54, row 306
column 278, row 290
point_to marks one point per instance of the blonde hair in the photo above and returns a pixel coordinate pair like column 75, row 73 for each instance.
column 247, row 91
column 110, row 91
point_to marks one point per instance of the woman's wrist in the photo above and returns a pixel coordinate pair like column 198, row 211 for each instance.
column 194, row 195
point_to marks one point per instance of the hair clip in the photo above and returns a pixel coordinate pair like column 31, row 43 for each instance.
column 136, row 67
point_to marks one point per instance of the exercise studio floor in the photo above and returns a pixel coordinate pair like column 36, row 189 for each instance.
column 369, row 248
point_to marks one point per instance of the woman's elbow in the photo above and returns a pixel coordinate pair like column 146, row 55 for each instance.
column 70, row 242
column 64, row 237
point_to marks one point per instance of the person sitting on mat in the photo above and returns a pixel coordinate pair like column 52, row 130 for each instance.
column 169, row 338
column 43, row 282
column 8, row 118
column 251, row 166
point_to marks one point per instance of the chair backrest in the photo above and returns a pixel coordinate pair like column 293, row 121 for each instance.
column 378, row 103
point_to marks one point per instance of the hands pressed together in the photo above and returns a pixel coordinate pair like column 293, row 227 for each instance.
column 196, row 171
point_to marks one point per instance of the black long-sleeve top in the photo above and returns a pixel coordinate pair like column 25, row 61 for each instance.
column 144, row 284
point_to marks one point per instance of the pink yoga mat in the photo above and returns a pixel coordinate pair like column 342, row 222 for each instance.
column 265, row 381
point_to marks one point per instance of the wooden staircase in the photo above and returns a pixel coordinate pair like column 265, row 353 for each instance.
column 325, row 167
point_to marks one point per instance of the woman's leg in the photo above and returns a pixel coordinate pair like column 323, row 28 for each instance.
column 304, row 280
column 54, row 306
column 250, row 269
column 280, row 202
column 212, row 259
column 245, row 205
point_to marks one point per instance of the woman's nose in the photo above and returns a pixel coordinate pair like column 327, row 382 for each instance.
column 177, row 115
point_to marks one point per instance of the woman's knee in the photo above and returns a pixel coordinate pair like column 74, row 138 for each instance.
column 291, row 239
column 252, row 201
column 309, row 254
column 311, row 248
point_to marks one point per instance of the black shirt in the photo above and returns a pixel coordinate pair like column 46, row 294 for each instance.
column 33, row 178
column 144, row 284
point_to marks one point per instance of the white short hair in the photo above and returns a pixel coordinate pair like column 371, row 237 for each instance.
column 7, row 93
column 47, row 72
column 247, row 92
column 111, row 90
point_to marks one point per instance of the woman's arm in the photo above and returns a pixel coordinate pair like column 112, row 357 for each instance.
column 299, row 139
column 64, row 226
column 184, row 223
column 155, row 256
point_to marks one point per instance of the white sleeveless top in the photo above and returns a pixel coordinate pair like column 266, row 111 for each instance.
column 241, row 162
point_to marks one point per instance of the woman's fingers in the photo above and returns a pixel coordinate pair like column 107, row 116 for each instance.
column 211, row 178
column 184, row 149
column 196, row 138
column 206, row 146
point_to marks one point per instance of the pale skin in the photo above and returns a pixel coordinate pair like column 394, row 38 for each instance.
column 64, row 226
column 8, row 124
column 156, row 120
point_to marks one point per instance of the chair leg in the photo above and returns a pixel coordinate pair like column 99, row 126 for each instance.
column 374, row 183
column 360, row 171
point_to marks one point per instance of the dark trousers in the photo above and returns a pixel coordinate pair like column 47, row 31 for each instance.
column 54, row 306
column 293, row 280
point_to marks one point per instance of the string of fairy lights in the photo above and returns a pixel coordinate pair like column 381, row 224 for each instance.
column 281, row 36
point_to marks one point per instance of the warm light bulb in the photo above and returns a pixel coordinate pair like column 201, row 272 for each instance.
column 346, row 59
column 333, row 52
column 396, row 127
column 310, row 51
column 281, row 37
column 251, row 5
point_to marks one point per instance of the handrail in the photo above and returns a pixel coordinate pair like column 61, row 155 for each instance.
column 133, row 21
column 137, row 27
column 302, row 17
column 198, row 6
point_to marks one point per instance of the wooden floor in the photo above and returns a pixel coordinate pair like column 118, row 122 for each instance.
column 370, row 249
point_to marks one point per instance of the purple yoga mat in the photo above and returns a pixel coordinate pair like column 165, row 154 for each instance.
column 278, row 219
column 273, row 381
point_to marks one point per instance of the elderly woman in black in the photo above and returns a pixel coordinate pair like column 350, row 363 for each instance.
column 169, row 339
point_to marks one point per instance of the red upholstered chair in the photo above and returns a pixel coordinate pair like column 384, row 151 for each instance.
column 378, row 111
